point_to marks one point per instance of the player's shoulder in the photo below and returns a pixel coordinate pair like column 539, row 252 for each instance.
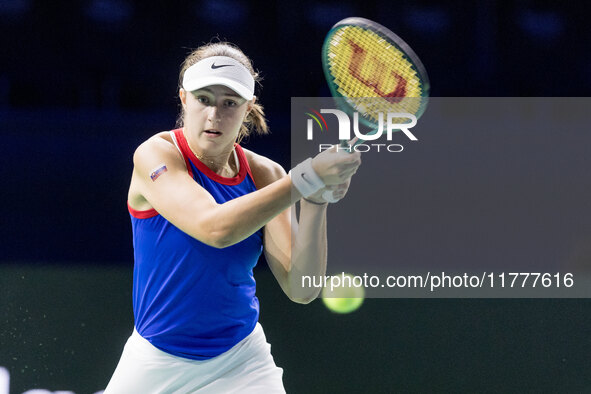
column 158, row 146
column 264, row 170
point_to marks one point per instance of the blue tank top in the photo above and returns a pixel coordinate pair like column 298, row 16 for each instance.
column 190, row 299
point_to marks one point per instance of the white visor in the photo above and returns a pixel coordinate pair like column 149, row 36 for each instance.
column 220, row 70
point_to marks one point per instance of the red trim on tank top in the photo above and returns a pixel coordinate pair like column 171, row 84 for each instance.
column 178, row 133
column 188, row 153
column 244, row 163
column 148, row 213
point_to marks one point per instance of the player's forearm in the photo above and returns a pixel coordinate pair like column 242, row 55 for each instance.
column 309, row 251
column 239, row 218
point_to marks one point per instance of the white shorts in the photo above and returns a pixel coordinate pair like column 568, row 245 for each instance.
column 248, row 367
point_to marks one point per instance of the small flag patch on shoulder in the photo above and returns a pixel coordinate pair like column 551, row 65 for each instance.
column 158, row 171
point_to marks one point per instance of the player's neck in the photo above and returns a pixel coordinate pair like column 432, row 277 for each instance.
column 219, row 159
column 221, row 163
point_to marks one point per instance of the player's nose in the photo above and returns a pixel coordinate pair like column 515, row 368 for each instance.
column 213, row 114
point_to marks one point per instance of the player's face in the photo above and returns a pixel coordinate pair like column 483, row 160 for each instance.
column 213, row 115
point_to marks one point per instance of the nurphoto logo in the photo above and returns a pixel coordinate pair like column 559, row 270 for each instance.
column 395, row 121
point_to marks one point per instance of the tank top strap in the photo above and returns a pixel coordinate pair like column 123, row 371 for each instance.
column 243, row 161
column 177, row 137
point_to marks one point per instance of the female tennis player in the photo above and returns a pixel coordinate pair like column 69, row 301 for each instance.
column 203, row 209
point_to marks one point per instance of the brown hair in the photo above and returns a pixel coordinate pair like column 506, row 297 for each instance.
column 256, row 117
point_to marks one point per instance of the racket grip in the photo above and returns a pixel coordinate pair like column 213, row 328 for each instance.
column 328, row 196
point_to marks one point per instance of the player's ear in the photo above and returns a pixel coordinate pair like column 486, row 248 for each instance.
column 183, row 97
column 250, row 105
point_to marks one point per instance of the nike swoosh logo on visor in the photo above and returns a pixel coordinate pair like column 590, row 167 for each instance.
column 213, row 66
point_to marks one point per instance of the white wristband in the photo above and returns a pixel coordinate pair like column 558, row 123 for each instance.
column 305, row 179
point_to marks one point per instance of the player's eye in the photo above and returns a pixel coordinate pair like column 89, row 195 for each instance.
column 203, row 99
column 231, row 103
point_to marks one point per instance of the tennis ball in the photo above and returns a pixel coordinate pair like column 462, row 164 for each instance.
column 343, row 294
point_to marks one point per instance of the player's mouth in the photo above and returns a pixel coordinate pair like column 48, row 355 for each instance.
column 212, row 133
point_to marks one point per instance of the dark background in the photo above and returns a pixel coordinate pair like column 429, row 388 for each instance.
column 82, row 83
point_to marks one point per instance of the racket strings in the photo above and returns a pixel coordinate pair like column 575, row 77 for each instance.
column 373, row 74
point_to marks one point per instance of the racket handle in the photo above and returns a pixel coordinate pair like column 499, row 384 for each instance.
column 328, row 196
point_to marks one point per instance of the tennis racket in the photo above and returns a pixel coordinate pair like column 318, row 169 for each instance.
column 374, row 71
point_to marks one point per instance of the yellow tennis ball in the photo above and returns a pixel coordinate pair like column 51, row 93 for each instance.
column 343, row 293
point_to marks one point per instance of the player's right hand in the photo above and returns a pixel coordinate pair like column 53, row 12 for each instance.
column 335, row 166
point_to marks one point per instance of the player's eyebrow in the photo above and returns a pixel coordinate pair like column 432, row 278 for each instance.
column 229, row 94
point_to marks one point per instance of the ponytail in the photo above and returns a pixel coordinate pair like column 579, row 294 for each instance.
column 255, row 120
